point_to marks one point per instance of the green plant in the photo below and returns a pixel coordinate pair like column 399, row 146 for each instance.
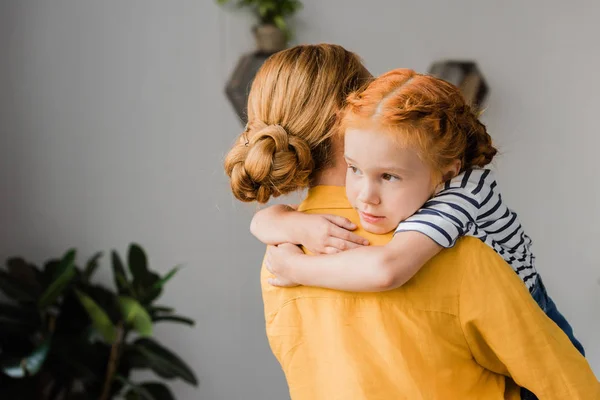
column 64, row 337
column 270, row 11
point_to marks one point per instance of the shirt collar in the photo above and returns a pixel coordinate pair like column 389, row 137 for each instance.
column 325, row 197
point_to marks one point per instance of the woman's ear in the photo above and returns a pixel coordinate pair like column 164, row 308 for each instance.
column 452, row 170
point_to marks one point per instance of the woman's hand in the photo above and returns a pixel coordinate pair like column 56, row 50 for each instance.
column 279, row 261
column 328, row 234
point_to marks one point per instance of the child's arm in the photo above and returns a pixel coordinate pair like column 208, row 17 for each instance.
column 319, row 233
column 366, row 269
column 437, row 225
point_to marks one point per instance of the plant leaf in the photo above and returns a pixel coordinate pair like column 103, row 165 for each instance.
column 99, row 318
column 26, row 273
column 263, row 9
column 136, row 315
column 174, row 318
column 135, row 392
column 15, row 289
column 121, row 282
column 36, row 359
column 107, row 299
column 49, row 271
column 30, row 365
column 24, row 316
column 155, row 391
column 143, row 278
column 166, row 278
column 163, row 361
column 67, row 259
column 138, row 263
column 160, row 309
column 159, row 391
column 10, row 311
column 134, row 358
column 281, row 24
column 146, row 291
column 64, row 275
column 91, row 266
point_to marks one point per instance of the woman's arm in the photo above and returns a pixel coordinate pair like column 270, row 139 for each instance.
column 319, row 233
column 366, row 269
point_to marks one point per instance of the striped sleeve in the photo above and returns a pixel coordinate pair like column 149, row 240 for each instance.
column 454, row 210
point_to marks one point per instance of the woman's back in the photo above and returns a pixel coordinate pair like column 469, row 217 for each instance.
column 448, row 333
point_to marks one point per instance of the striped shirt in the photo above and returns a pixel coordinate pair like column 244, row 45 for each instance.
column 470, row 204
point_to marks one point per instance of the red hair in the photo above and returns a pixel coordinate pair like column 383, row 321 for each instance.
column 422, row 111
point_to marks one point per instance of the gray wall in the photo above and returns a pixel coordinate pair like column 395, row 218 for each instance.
column 113, row 126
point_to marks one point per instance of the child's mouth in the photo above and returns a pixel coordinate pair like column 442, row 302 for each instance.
column 370, row 218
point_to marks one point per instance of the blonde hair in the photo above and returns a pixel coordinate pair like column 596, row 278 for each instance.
column 293, row 109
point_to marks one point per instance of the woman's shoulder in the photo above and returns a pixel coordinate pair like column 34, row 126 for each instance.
column 469, row 256
column 482, row 267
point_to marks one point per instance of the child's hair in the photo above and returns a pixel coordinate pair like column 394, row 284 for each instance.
column 425, row 112
column 293, row 109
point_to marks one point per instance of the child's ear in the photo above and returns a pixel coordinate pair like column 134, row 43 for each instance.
column 452, row 170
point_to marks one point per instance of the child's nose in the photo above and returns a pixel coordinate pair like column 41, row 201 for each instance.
column 369, row 195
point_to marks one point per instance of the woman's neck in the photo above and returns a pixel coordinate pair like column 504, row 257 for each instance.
column 335, row 175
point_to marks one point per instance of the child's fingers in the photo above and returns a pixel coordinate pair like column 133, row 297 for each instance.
column 348, row 236
column 331, row 250
column 340, row 221
column 268, row 265
column 281, row 282
column 274, row 282
column 290, row 248
column 341, row 244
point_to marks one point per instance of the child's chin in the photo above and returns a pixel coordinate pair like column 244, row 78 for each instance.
column 376, row 229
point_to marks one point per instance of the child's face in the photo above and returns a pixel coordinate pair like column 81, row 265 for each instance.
column 385, row 182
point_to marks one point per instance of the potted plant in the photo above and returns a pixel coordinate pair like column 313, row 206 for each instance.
column 272, row 33
column 64, row 337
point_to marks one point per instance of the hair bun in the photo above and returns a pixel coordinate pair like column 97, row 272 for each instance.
column 269, row 163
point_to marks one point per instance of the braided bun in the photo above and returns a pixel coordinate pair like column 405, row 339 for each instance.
column 480, row 150
column 292, row 109
column 268, row 163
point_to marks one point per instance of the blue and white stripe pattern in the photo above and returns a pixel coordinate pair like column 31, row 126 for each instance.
column 470, row 204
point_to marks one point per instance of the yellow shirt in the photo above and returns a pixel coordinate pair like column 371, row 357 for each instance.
column 460, row 329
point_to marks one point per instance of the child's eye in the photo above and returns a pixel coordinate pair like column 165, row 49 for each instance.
column 390, row 177
column 354, row 170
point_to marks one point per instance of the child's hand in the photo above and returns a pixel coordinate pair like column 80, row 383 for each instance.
column 277, row 263
column 329, row 234
column 281, row 282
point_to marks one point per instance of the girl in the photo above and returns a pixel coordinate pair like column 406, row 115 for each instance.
column 415, row 153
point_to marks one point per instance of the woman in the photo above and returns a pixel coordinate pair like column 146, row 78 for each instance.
column 443, row 334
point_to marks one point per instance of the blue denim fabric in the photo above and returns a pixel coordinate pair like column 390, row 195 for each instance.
column 540, row 295
column 547, row 305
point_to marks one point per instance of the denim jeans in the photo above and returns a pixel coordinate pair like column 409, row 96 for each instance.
column 547, row 305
